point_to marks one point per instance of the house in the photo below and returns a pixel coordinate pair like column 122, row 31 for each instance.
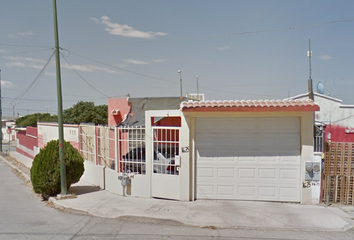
column 240, row 150
column 7, row 127
column 131, row 111
column 31, row 139
column 334, row 121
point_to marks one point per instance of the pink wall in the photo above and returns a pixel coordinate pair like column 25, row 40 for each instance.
column 32, row 131
column 120, row 104
column 338, row 134
column 27, row 141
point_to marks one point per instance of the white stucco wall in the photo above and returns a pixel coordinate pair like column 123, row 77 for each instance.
column 49, row 131
column 139, row 187
column 94, row 174
column 332, row 111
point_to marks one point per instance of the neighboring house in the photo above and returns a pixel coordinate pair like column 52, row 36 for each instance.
column 6, row 123
column 31, row 139
column 130, row 112
column 334, row 121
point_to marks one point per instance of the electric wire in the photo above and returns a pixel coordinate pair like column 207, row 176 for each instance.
column 121, row 69
column 155, row 78
column 84, row 79
column 237, row 33
column 209, row 36
column 34, row 82
column 39, row 50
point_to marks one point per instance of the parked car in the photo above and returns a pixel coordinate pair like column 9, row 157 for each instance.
column 163, row 161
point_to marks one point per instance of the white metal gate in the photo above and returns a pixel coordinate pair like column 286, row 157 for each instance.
column 166, row 162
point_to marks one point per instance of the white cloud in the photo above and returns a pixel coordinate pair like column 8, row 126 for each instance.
column 24, row 33
column 51, row 74
column 94, row 19
column 24, row 59
column 6, row 84
column 36, row 63
column 125, row 30
column 223, row 48
column 136, row 62
column 81, row 68
column 24, row 62
column 87, row 68
column 325, row 57
column 2, row 50
column 21, row 34
column 15, row 64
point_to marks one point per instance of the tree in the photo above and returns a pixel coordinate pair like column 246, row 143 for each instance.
column 32, row 119
column 86, row 112
column 45, row 171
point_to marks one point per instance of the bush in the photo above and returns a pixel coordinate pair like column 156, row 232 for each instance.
column 45, row 171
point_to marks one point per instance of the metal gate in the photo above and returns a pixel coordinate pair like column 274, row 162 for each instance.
column 166, row 162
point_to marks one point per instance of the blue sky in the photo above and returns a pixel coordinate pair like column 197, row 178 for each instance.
column 240, row 49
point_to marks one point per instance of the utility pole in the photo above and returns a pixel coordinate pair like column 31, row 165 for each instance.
column 310, row 85
column 13, row 107
column 197, row 77
column 0, row 115
column 180, row 80
column 60, row 104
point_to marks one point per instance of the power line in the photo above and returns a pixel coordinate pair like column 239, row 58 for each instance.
column 121, row 69
column 39, row 50
column 151, row 77
column 236, row 33
column 84, row 79
column 23, row 45
column 36, row 79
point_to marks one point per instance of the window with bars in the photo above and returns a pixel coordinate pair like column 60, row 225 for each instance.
column 318, row 138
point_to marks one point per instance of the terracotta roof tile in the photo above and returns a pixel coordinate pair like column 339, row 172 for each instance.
column 300, row 105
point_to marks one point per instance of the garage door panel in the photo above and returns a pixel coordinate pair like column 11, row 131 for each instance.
column 258, row 142
column 226, row 190
column 248, row 158
column 206, row 172
column 267, row 173
column 225, row 173
column 206, row 191
column 289, row 173
column 288, row 193
column 284, row 125
column 246, row 173
column 267, row 191
column 248, row 191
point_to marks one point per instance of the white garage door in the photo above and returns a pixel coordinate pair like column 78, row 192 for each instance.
column 248, row 158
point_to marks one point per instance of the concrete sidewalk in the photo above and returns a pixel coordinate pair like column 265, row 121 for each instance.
column 209, row 213
column 206, row 213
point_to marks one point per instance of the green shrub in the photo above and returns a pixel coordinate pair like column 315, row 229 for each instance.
column 45, row 171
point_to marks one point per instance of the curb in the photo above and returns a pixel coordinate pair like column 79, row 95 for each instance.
column 27, row 178
column 62, row 207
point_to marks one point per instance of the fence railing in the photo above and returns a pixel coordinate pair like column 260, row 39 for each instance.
column 339, row 173
column 118, row 148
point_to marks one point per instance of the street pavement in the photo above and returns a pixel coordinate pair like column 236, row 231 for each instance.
column 206, row 213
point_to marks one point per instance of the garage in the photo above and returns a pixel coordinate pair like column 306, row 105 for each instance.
column 248, row 158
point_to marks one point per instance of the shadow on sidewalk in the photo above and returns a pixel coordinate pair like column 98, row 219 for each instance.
column 80, row 190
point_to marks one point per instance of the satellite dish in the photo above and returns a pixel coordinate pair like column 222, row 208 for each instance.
column 320, row 88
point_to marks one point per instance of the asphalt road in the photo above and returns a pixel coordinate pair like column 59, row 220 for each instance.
column 23, row 215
